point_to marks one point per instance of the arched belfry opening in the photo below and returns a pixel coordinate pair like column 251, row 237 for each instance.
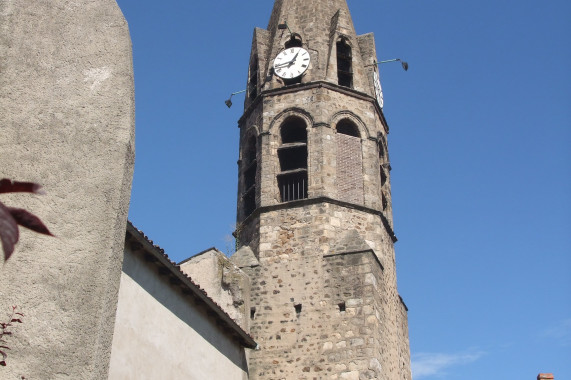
column 349, row 162
column 292, row 155
column 344, row 63
column 384, row 167
column 253, row 78
column 250, row 168
column 347, row 127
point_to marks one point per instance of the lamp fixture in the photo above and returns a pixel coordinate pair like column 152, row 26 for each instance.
column 403, row 63
column 228, row 102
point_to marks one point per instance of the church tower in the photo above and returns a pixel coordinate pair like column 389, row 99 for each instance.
column 314, row 219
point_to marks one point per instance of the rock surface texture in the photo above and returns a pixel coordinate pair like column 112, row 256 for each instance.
column 67, row 123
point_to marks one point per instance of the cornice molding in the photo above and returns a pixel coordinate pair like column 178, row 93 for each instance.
column 308, row 86
column 311, row 201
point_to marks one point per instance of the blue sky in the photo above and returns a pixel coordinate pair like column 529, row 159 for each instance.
column 479, row 144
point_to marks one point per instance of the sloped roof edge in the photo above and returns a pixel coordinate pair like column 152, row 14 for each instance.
column 193, row 288
column 198, row 254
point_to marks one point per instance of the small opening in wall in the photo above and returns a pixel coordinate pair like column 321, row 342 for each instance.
column 250, row 151
column 293, row 130
column 252, row 312
column 341, row 306
column 344, row 63
column 383, row 176
column 249, row 201
column 292, row 153
column 253, row 82
column 293, row 186
column 347, row 127
column 298, row 309
column 296, row 80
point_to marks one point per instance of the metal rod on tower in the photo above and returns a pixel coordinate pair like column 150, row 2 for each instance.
column 403, row 63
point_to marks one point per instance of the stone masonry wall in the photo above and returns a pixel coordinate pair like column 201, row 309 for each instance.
column 302, row 264
column 290, row 241
column 223, row 281
column 321, row 108
column 354, row 282
column 403, row 341
column 324, row 296
column 335, row 335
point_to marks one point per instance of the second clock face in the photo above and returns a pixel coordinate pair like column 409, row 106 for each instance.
column 378, row 89
column 291, row 62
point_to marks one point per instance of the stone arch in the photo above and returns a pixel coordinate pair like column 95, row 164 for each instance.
column 292, row 133
column 248, row 171
column 349, row 177
column 251, row 130
column 253, row 77
column 293, row 130
column 382, row 148
column 285, row 114
column 344, row 53
column 250, row 148
column 347, row 127
column 363, row 130
column 384, row 170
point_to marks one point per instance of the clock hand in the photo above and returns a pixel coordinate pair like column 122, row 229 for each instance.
column 284, row 64
column 287, row 63
column 295, row 57
column 290, row 62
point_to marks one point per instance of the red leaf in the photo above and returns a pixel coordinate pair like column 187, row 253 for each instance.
column 29, row 220
column 19, row 314
column 6, row 347
column 9, row 233
column 9, row 186
column 16, row 320
column 3, row 354
column 3, row 363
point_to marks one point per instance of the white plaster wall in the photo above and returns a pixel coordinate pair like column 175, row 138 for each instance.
column 67, row 122
column 223, row 281
column 206, row 271
column 160, row 334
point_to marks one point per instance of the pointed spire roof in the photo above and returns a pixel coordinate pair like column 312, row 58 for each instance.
column 320, row 23
column 307, row 16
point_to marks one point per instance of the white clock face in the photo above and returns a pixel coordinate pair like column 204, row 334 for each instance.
column 291, row 62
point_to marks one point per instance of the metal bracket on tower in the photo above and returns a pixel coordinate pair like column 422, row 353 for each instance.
column 403, row 63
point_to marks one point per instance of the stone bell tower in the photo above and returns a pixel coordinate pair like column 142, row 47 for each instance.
column 314, row 222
